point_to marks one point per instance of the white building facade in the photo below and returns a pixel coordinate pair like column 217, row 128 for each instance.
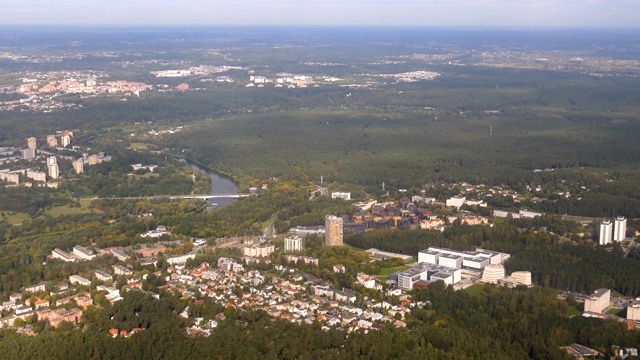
column 620, row 228
column 606, row 229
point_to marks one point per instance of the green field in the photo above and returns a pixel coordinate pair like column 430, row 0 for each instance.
column 616, row 312
column 475, row 290
column 385, row 272
column 17, row 218
column 69, row 210
column 573, row 311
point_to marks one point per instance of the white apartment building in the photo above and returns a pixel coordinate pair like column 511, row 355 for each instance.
column 258, row 250
column 62, row 255
column 182, row 259
column 103, row 276
column 36, row 175
column 606, row 229
column 77, row 279
column 341, row 195
column 121, row 270
column 598, row 301
column 620, row 228
column 456, row 201
column 633, row 310
column 83, row 253
column 292, row 244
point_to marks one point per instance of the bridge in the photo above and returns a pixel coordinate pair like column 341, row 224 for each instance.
column 209, row 196
column 173, row 197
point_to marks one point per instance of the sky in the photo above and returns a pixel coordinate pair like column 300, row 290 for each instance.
column 468, row 13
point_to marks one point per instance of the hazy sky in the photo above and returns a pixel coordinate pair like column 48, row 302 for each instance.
column 600, row 13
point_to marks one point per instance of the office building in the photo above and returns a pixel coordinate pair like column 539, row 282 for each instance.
column 606, row 229
column 598, row 301
column 292, row 244
column 31, row 143
column 333, row 235
column 454, row 259
column 427, row 273
column 620, row 228
column 493, row 273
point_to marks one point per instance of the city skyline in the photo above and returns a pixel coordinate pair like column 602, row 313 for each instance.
column 499, row 13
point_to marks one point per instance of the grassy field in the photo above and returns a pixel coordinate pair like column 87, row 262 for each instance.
column 475, row 290
column 17, row 218
column 573, row 311
column 385, row 272
column 616, row 312
column 68, row 210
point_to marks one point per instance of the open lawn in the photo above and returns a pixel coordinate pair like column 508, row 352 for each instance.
column 68, row 210
column 616, row 312
column 17, row 218
column 475, row 290
column 385, row 272
column 573, row 311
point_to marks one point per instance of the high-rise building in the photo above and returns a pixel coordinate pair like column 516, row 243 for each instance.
column 605, row 232
column 31, row 143
column 65, row 140
column 333, row 235
column 78, row 166
column 633, row 310
column 54, row 172
column 292, row 244
column 52, row 166
column 598, row 301
column 620, row 228
column 52, row 141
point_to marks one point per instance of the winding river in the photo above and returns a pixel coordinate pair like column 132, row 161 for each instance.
column 220, row 184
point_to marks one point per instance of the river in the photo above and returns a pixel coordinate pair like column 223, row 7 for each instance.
column 221, row 184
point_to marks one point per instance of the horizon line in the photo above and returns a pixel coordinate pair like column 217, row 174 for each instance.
column 311, row 26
